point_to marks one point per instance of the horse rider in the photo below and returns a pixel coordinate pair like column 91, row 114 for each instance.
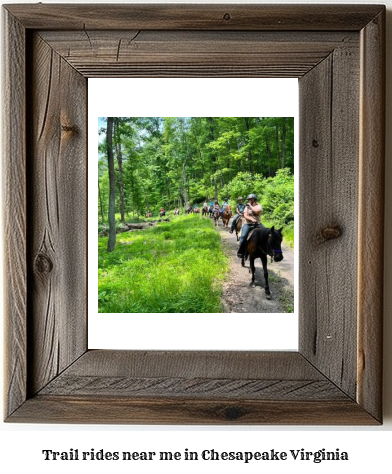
column 239, row 212
column 225, row 203
column 252, row 215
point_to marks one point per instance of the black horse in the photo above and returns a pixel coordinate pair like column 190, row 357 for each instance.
column 262, row 243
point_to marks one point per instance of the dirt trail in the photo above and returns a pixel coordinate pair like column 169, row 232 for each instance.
column 239, row 297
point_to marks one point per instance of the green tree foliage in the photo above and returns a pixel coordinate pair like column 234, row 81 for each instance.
column 112, row 185
column 275, row 194
column 168, row 161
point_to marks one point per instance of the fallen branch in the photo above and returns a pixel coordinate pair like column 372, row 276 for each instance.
column 133, row 227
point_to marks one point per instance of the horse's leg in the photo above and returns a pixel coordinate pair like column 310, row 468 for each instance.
column 244, row 254
column 265, row 270
column 253, row 270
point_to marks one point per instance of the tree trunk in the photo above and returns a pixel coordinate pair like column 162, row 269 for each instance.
column 212, row 138
column 120, row 171
column 284, row 142
column 269, row 158
column 184, row 177
column 277, row 147
column 100, row 203
column 250, row 161
column 112, row 186
column 132, row 181
column 184, row 183
column 168, row 194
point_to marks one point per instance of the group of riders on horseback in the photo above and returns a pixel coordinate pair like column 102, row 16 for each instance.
column 256, row 240
column 247, row 217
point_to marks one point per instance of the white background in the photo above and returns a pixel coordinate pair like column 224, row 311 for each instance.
column 368, row 448
column 184, row 98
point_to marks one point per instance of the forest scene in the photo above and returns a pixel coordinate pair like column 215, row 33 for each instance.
column 160, row 246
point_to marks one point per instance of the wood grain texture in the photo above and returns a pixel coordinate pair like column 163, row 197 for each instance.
column 14, row 209
column 336, row 376
column 208, row 364
column 206, row 374
column 329, row 98
column 103, row 409
column 188, row 387
column 193, row 387
column 57, row 208
column 195, row 17
column 128, row 53
column 371, row 216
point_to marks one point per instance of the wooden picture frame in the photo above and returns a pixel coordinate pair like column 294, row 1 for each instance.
column 337, row 52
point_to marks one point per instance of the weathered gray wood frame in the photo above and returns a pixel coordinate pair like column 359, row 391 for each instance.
column 337, row 52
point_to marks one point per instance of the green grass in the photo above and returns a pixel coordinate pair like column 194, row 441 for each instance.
column 176, row 267
column 286, row 295
column 287, row 300
column 288, row 235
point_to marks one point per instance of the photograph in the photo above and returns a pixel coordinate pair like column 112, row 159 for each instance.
column 272, row 118
column 196, row 214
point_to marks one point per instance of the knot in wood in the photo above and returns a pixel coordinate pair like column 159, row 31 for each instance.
column 69, row 128
column 315, row 143
column 43, row 264
column 227, row 16
column 232, row 413
column 328, row 233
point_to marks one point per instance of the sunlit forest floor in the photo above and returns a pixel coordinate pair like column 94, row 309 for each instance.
column 176, row 267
